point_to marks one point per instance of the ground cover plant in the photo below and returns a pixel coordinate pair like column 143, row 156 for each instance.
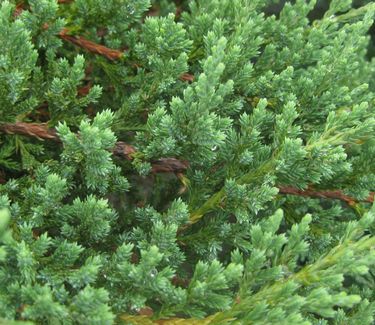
column 186, row 162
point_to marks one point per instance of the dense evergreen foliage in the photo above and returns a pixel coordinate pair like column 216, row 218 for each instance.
column 186, row 162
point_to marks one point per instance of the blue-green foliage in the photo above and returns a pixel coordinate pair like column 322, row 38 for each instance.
column 114, row 15
column 253, row 104
column 62, row 89
column 4, row 219
column 17, row 64
column 89, row 154
column 43, row 14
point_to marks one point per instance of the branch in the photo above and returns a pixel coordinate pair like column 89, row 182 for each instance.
column 35, row 130
column 90, row 46
column 335, row 194
column 121, row 149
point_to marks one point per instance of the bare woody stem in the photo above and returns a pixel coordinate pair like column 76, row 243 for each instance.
column 336, row 195
column 121, row 149
column 90, row 46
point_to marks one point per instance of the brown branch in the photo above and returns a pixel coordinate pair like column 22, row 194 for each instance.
column 121, row 149
column 169, row 165
column 18, row 10
column 187, row 77
column 162, row 165
column 334, row 194
column 90, row 46
column 39, row 131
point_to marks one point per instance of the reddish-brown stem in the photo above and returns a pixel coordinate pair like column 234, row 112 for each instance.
column 18, row 10
column 92, row 47
column 187, row 77
column 334, row 194
column 35, row 130
column 121, row 149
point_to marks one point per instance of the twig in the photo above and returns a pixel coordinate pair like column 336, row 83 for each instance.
column 334, row 194
column 121, row 149
column 18, row 10
column 35, row 130
column 187, row 77
column 90, row 46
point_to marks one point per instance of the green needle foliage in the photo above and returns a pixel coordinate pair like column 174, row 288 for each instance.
column 203, row 162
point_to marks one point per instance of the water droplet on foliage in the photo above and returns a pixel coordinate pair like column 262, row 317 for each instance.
column 131, row 10
column 135, row 308
column 153, row 273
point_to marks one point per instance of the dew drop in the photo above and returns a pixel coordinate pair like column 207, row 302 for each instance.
column 153, row 273
column 135, row 308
